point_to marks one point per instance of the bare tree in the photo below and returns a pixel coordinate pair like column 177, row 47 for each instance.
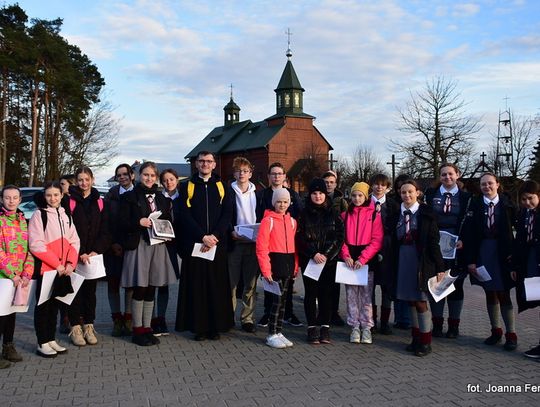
column 439, row 128
column 98, row 144
column 364, row 163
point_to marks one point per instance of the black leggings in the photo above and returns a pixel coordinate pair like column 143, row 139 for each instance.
column 144, row 293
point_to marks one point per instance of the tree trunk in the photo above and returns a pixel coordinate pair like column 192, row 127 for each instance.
column 33, row 156
column 3, row 139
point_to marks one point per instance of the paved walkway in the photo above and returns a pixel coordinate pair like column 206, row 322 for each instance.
column 239, row 370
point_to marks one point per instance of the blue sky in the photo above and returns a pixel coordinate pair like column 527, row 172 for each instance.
column 168, row 64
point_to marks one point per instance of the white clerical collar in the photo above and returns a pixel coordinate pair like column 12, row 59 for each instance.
column 413, row 208
column 380, row 200
column 122, row 189
column 495, row 200
column 453, row 191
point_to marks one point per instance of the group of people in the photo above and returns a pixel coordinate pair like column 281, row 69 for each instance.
column 395, row 237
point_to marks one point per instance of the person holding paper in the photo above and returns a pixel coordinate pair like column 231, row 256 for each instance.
column 382, row 264
column 339, row 203
column 114, row 257
column 277, row 179
column 419, row 258
column 54, row 242
column 242, row 258
column 146, row 266
column 488, row 243
column 169, row 181
column 90, row 218
column 277, row 259
column 526, row 249
column 363, row 240
column 16, row 263
column 204, row 298
column 450, row 204
column 319, row 238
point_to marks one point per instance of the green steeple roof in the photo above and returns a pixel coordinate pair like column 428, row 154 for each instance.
column 289, row 79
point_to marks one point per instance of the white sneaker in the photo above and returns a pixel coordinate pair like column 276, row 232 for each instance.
column 287, row 343
column 366, row 336
column 355, row 335
column 45, row 350
column 274, row 341
column 58, row 348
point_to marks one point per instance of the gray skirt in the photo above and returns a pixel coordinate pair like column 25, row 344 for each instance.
column 407, row 276
column 148, row 265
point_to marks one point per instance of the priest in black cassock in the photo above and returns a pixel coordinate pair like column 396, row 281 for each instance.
column 205, row 210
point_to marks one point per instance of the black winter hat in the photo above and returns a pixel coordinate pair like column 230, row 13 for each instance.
column 318, row 184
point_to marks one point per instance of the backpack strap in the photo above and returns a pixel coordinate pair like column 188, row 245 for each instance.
column 43, row 218
column 191, row 191
column 100, row 204
column 72, row 205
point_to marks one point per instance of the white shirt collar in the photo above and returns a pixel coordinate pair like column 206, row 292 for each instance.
column 495, row 200
column 173, row 196
column 453, row 191
column 381, row 200
column 122, row 189
column 413, row 208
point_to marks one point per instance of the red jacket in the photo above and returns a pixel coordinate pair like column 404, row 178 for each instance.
column 363, row 227
column 276, row 235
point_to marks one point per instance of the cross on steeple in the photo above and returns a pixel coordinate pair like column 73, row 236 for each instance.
column 506, row 101
column 231, row 86
column 289, row 52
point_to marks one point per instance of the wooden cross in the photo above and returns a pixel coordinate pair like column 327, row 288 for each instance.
column 393, row 163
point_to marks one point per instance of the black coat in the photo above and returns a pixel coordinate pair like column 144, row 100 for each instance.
column 320, row 230
column 133, row 207
column 91, row 222
column 465, row 201
column 112, row 199
column 474, row 234
column 209, row 213
column 384, row 265
column 430, row 261
column 520, row 255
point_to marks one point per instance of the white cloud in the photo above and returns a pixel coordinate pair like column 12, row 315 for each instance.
column 465, row 9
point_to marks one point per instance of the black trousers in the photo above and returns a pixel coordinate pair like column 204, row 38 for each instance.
column 7, row 327
column 84, row 304
column 45, row 317
column 269, row 300
column 319, row 293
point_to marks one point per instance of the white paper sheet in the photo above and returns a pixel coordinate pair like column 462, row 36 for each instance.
column 447, row 243
column 314, row 270
column 209, row 255
column 443, row 288
column 482, row 274
column 76, row 282
column 46, row 286
column 271, row 287
column 95, row 269
column 532, row 288
column 350, row 276
column 7, row 292
column 248, row 231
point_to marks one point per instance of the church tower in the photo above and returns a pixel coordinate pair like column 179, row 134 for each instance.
column 289, row 92
column 232, row 112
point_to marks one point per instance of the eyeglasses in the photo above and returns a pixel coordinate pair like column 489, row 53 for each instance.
column 276, row 174
column 205, row 161
column 243, row 171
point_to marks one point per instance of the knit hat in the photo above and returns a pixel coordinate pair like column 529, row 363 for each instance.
column 362, row 187
column 318, row 184
column 279, row 194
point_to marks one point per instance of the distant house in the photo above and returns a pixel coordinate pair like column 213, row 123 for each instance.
column 183, row 170
column 288, row 137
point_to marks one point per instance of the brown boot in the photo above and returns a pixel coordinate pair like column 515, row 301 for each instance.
column 10, row 353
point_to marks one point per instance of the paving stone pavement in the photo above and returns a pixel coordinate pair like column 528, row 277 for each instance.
column 239, row 370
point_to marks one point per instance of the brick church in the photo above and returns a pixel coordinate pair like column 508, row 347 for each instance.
column 288, row 137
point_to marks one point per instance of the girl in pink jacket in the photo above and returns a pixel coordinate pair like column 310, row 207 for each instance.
column 363, row 239
column 53, row 241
